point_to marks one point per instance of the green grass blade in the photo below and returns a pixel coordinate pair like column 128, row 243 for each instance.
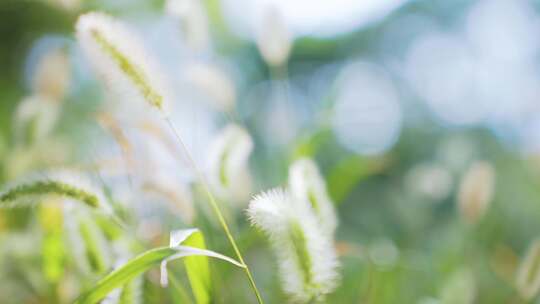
column 94, row 244
column 140, row 264
column 178, row 293
column 126, row 273
column 131, row 292
column 349, row 172
column 196, row 262
column 53, row 250
column 198, row 270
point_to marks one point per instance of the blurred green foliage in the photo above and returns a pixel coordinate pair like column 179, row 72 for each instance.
column 437, row 252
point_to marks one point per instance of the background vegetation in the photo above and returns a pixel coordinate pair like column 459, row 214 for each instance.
column 401, row 237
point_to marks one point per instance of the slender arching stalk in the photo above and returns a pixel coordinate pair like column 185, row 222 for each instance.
column 216, row 210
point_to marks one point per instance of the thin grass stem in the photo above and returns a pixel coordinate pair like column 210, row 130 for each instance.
column 215, row 208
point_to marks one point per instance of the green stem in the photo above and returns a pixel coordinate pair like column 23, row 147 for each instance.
column 217, row 211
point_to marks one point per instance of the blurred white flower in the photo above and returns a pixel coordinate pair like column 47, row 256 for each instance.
column 308, row 18
column 476, row 191
column 306, row 183
column 274, row 39
column 305, row 254
column 528, row 274
column 121, row 59
column 35, row 118
column 194, row 22
column 52, row 75
column 228, row 163
column 431, row 181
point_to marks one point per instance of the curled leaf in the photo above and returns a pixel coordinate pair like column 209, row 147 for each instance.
column 196, row 262
column 142, row 263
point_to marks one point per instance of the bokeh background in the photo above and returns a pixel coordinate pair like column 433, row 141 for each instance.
column 394, row 99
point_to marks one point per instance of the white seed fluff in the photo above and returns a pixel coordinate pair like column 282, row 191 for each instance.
column 52, row 75
column 228, row 163
column 274, row 39
column 194, row 22
column 121, row 59
column 35, row 118
column 306, row 257
column 306, row 183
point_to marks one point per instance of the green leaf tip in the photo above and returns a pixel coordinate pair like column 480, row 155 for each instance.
column 154, row 257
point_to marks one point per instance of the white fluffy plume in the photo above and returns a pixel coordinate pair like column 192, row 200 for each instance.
column 52, row 75
column 194, row 22
column 121, row 59
column 228, row 163
column 306, row 256
column 274, row 39
column 35, row 118
column 306, row 183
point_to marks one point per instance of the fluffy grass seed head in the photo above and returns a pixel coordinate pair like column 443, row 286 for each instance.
column 306, row 183
column 274, row 38
column 528, row 274
column 62, row 184
column 194, row 22
column 228, row 163
column 121, row 59
column 35, row 118
column 430, row 182
column 52, row 75
column 476, row 191
column 306, row 257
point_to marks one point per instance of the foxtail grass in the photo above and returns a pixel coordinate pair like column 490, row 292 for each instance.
column 122, row 61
